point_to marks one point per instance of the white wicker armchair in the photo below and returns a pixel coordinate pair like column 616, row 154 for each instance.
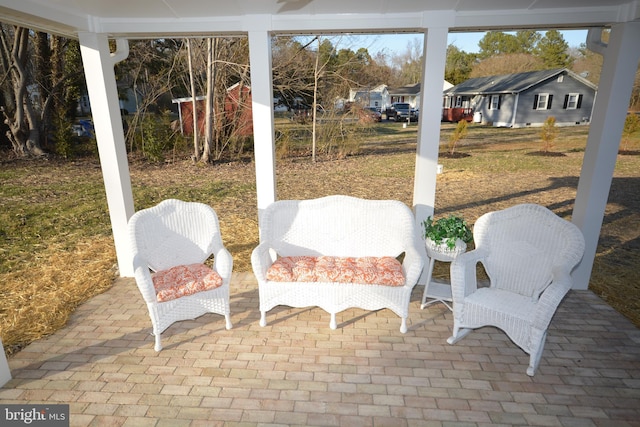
column 528, row 253
column 176, row 233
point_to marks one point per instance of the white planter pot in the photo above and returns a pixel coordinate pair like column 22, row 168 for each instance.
column 442, row 252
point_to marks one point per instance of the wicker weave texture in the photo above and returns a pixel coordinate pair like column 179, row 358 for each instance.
column 338, row 226
column 175, row 233
column 528, row 253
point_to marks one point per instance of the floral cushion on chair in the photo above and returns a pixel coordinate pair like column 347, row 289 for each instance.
column 366, row 270
column 184, row 280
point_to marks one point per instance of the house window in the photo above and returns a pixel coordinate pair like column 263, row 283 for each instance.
column 494, row 102
column 458, row 101
column 572, row 101
column 542, row 101
column 560, row 78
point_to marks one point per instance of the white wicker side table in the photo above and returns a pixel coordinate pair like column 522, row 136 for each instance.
column 439, row 291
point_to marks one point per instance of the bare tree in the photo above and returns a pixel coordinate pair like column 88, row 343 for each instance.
column 39, row 79
column 507, row 64
column 194, row 103
column 18, row 111
column 410, row 62
column 150, row 73
column 210, row 121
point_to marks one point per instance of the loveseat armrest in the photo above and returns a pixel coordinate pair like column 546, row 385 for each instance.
column 223, row 264
column 261, row 260
column 464, row 280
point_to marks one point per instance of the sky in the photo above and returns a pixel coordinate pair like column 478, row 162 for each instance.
column 468, row 42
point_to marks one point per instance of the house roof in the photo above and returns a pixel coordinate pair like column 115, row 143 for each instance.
column 510, row 83
column 369, row 89
column 413, row 89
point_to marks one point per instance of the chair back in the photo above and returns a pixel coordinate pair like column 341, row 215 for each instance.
column 524, row 244
column 174, row 233
column 338, row 225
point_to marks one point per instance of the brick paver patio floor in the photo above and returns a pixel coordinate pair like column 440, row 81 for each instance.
column 297, row 371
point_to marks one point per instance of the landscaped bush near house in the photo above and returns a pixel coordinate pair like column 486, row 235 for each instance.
column 548, row 134
column 459, row 133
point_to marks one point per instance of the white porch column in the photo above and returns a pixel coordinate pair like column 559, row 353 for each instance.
column 262, row 106
column 424, row 187
column 616, row 81
column 105, row 109
column 5, row 372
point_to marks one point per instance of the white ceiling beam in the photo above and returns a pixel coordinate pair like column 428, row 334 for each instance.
column 456, row 21
column 550, row 18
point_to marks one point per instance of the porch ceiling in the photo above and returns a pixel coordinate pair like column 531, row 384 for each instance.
column 130, row 18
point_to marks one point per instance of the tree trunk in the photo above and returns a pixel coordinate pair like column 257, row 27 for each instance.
column 316, row 76
column 194, row 105
column 210, row 119
column 19, row 114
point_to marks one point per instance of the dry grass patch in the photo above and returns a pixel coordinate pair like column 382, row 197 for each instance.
column 38, row 300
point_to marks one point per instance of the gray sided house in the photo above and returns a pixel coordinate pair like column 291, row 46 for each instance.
column 524, row 99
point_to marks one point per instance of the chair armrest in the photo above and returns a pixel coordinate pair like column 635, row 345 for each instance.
column 223, row 264
column 551, row 297
column 412, row 266
column 143, row 279
column 463, row 273
column 261, row 261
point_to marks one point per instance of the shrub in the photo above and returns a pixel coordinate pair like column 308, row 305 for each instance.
column 157, row 136
column 631, row 126
column 459, row 133
column 63, row 135
column 548, row 134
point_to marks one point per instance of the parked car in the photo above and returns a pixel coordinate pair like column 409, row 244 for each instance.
column 401, row 111
column 373, row 114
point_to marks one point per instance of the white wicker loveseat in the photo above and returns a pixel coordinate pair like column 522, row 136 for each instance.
column 338, row 227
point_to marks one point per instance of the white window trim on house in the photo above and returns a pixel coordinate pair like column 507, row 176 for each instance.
column 543, row 101
column 494, row 102
column 572, row 101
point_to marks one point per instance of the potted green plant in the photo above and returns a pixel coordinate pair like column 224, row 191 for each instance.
column 447, row 234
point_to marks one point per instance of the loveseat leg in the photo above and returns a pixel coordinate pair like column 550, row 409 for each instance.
column 263, row 318
column 158, row 343
column 333, row 324
column 458, row 334
column 228, row 323
column 403, row 326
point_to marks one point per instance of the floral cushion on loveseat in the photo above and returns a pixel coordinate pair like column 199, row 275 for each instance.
column 366, row 270
column 184, row 280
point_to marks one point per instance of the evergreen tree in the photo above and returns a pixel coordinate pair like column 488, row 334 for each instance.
column 496, row 42
column 553, row 50
column 459, row 65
